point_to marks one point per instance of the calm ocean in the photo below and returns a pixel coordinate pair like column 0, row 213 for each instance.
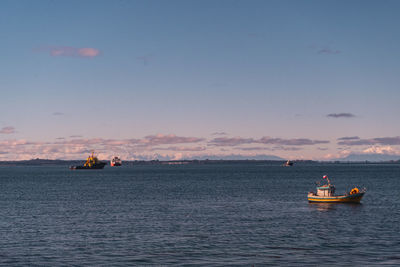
column 196, row 215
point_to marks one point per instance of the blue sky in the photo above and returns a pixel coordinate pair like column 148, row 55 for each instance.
column 113, row 75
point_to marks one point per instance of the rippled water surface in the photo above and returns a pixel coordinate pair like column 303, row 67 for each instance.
column 218, row 215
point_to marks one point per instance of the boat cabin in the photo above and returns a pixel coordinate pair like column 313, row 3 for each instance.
column 327, row 190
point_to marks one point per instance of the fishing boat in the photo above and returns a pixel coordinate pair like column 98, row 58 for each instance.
column 92, row 163
column 115, row 161
column 326, row 193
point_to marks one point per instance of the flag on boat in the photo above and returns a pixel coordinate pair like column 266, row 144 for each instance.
column 325, row 176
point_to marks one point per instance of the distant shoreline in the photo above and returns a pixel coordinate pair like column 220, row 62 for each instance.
column 50, row 162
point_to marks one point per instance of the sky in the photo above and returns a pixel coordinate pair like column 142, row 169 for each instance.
column 195, row 79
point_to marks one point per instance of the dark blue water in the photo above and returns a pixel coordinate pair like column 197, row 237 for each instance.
column 218, row 215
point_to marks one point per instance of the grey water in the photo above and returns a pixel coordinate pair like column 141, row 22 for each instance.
column 240, row 214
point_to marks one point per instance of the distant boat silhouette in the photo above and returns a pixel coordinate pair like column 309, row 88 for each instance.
column 91, row 163
column 288, row 163
column 115, row 161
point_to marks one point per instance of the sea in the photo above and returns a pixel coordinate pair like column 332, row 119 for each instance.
column 241, row 214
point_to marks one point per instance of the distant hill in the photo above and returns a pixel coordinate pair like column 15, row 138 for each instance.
column 370, row 157
column 40, row 162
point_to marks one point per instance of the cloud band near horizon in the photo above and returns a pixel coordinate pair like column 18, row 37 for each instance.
column 7, row 130
column 69, row 51
column 174, row 147
column 341, row 115
column 235, row 141
column 356, row 141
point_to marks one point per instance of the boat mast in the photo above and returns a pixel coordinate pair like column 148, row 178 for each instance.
column 327, row 179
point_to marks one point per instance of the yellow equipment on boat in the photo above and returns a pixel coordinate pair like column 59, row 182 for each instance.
column 354, row 191
column 91, row 160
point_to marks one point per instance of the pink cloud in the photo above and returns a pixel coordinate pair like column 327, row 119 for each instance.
column 165, row 146
column 11, row 143
column 381, row 150
column 69, row 51
column 88, row 52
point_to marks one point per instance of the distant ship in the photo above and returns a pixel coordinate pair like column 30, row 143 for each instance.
column 288, row 163
column 116, row 161
column 91, row 163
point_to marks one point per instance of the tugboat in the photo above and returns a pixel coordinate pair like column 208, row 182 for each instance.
column 326, row 194
column 91, row 163
column 116, row 161
column 288, row 163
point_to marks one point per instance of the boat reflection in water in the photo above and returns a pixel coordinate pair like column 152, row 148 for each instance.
column 329, row 207
column 323, row 206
